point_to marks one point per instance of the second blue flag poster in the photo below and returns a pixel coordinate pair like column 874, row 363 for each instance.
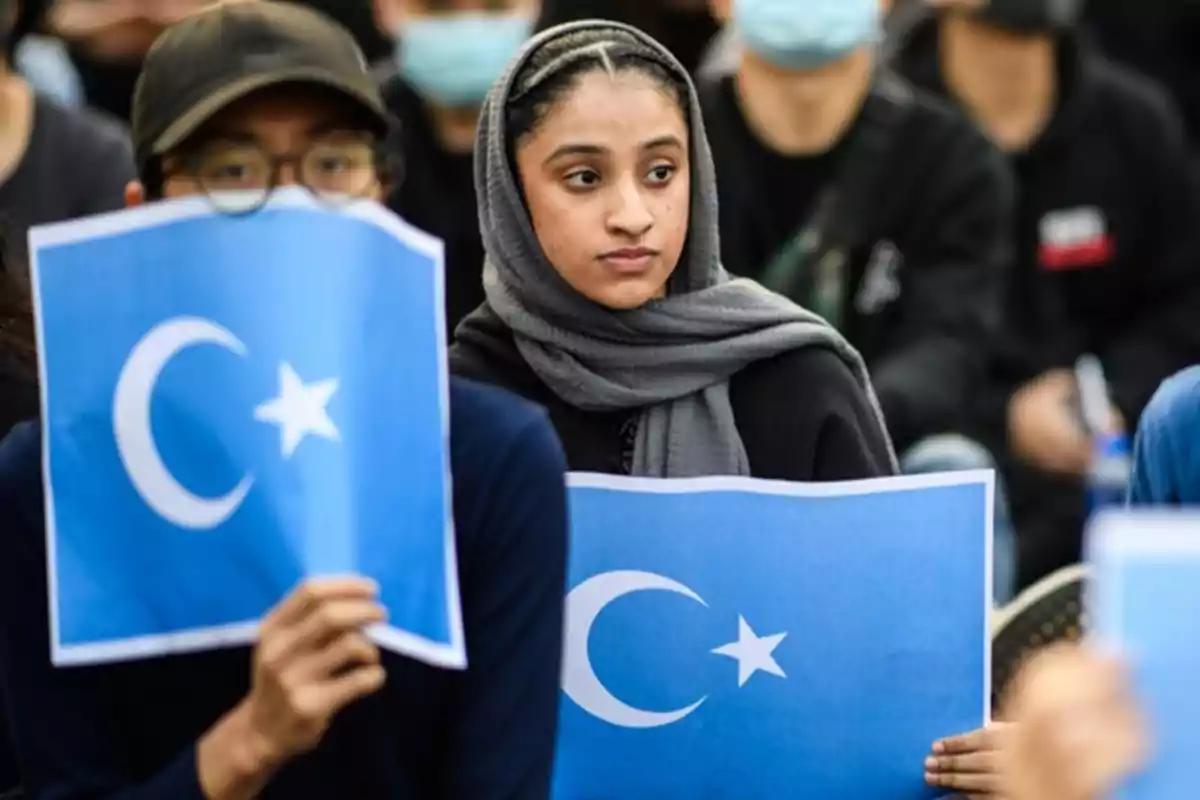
column 733, row 638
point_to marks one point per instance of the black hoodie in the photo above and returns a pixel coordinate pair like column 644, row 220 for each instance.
column 1106, row 259
column 922, row 296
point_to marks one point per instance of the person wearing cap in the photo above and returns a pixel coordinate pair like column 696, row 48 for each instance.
column 251, row 96
column 1105, row 245
column 446, row 58
column 105, row 42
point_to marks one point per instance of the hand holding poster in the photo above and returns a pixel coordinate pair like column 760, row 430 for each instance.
column 748, row 639
column 1145, row 603
column 231, row 405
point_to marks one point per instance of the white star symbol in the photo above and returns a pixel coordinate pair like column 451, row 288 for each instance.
column 752, row 652
column 299, row 410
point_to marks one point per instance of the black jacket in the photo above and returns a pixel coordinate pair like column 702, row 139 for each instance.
column 921, row 295
column 1106, row 256
column 435, row 191
column 802, row 416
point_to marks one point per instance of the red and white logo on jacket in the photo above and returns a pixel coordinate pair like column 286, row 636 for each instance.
column 1075, row 238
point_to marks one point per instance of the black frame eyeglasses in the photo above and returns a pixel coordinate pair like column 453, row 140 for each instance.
column 238, row 178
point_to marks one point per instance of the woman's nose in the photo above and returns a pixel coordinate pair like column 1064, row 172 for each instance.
column 632, row 216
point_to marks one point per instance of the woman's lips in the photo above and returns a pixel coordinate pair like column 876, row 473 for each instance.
column 630, row 260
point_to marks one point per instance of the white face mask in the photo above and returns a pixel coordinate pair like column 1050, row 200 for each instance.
column 453, row 59
column 806, row 34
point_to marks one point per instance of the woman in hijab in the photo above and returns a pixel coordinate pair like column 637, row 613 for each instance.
column 608, row 305
column 606, row 299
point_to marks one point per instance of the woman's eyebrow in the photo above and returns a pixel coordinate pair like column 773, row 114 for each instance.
column 669, row 140
column 576, row 149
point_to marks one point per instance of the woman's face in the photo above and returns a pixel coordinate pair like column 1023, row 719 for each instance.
column 607, row 180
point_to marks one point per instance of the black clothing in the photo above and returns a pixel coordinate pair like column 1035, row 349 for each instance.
column 1106, row 258
column 1105, row 263
column 77, row 163
column 128, row 730
column 921, row 298
column 436, row 193
column 1158, row 40
column 802, row 416
column 107, row 85
column 18, row 402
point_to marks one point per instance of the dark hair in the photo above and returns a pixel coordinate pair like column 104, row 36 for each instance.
column 18, row 344
column 552, row 70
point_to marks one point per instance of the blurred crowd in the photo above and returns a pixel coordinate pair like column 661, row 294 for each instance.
column 996, row 202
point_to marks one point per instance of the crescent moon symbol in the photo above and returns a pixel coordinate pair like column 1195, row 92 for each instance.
column 135, row 439
column 583, row 605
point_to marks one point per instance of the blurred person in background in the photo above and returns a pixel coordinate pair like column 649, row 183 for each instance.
column 448, row 54
column 685, row 27
column 877, row 206
column 55, row 163
column 107, row 39
column 42, row 59
column 1106, row 256
column 358, row 17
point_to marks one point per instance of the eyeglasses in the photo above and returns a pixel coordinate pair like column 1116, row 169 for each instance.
column 238, row 178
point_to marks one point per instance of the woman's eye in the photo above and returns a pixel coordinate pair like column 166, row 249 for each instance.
column 583, row 179
column 661, row 173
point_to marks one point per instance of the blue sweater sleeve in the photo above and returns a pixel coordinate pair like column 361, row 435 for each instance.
column 506, row 706
column 65, row 730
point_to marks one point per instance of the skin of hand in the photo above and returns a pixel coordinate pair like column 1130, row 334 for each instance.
column 1043, row 430
column 970, row 763
column 312, row 660
column 1077, row 731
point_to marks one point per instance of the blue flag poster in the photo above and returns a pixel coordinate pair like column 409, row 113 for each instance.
column 1145, row 603
column 746, row 639
column 231, row 405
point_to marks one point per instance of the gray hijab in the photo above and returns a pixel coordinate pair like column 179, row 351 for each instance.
column 671, row 358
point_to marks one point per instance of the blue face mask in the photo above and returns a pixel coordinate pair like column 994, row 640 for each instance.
column 454, row 59
column 805, row 34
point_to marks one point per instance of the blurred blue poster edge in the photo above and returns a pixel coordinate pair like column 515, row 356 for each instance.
column 1116, row 539
column 451, row 654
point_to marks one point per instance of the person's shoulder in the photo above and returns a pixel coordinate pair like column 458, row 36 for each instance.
column 85, row 132
column 478, row 406
column 21, row 478
column 817, row 375
column 21, row 453
column 505, row 456
column 938, row 125
column 1141, row 105
column 491, row 426
column 485, row 351
column 1174, row 410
